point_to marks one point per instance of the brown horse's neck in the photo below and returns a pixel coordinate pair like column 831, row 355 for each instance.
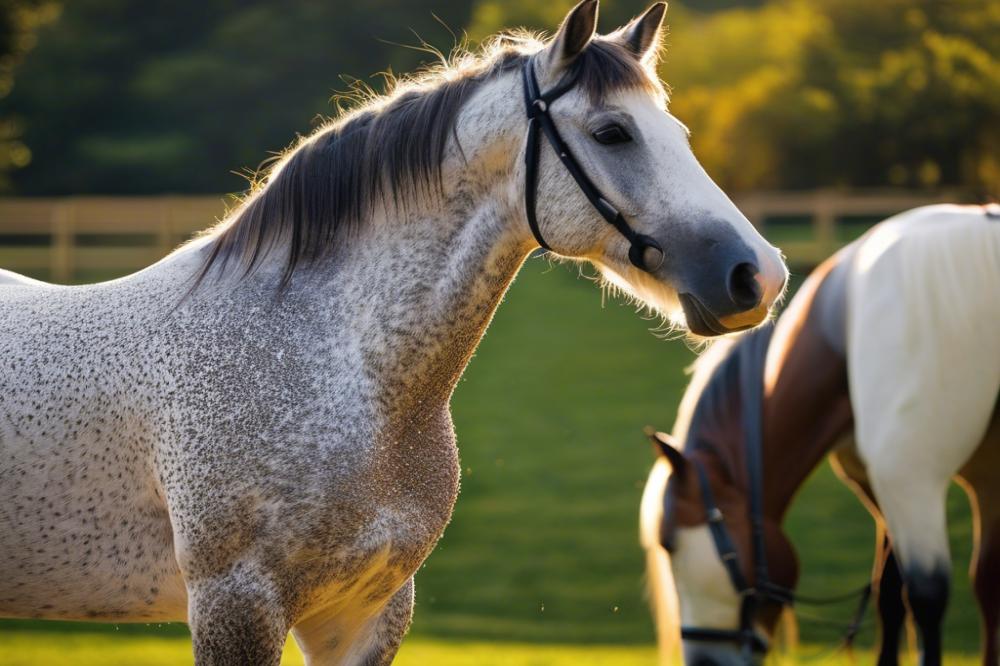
column 806, row 403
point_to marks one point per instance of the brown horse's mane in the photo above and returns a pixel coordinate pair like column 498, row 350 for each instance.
column 720, row 403
column 387, row 148
column 714, row 426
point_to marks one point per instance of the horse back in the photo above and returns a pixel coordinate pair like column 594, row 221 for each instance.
column 12, row 278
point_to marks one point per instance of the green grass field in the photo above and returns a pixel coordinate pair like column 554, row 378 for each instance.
column 540, row 564
column 129, row 650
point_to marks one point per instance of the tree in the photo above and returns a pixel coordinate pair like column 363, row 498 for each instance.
column 126, row 97
column 796, row 93
column 844, row 92
column 19, row 22
column 160, row 96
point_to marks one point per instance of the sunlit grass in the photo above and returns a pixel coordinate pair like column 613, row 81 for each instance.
column 33, row 648
column 543, row 546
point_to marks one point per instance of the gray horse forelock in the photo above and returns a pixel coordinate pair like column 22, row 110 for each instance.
column 385, row 152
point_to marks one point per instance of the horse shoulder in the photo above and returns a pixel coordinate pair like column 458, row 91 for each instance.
column 314, row 477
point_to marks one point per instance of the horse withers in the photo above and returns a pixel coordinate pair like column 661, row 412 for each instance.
column 253, row 435
column 885, row 357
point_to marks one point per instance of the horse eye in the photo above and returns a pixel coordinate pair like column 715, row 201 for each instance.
column 610, row 134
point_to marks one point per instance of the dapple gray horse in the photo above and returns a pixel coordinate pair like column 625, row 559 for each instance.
column 253, row 435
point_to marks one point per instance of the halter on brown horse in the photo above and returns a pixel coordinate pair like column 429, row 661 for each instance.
column 728, row 494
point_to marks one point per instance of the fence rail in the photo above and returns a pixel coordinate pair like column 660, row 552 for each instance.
column 61, row 238
column 72, row 238
column 826, row 211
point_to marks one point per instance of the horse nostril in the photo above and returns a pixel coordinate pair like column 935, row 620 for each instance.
column 744, row 290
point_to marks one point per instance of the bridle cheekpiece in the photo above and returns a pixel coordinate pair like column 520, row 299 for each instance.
column 537, row 105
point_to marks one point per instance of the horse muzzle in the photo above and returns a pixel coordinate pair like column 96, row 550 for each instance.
column 738, row 299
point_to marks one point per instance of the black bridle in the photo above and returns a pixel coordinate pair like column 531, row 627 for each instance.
column 752, row 597
column 538, row 104
column 763, row 590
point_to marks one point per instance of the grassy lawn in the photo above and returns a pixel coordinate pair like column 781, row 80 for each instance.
column 128, row 650
column 540, row 564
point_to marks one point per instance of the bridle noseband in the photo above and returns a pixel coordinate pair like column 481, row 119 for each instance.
column 763, row 590
column 538, row 104
column 751, row 596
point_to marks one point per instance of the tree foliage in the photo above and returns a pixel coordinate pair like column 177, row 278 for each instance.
column 127, row 97
column 843, row 92
column 19, row 23
column 176, row 95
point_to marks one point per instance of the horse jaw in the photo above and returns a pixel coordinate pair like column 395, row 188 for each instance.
column 655, row 296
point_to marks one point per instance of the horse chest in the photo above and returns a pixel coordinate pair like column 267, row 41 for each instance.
column 412, row 484
column 418, row 474
column 394, row 524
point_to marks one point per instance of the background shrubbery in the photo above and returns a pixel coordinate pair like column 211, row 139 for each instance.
column 119, row 96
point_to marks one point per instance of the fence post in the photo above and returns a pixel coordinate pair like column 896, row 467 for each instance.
column 824, row 223
column 752, row 209
column 165, row 233
column 61, row 255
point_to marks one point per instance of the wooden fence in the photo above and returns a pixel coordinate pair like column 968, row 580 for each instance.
column 82, row 238
column 826, row 212
column 66, row 239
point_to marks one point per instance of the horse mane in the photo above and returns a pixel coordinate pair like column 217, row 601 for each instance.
column 715, row 394
column 702, row 370
column 388, row 146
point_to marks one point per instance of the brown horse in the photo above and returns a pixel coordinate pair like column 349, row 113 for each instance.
column 725, row 554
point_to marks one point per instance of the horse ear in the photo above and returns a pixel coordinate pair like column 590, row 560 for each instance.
column 642, row 35
column 664, row 444
column 574, row 34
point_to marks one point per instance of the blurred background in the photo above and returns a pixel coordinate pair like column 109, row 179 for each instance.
column 124, row 125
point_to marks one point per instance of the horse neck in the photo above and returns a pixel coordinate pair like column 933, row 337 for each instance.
column 401, row 302
column 434, row 288
column 419, row 284
column 806, row 404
